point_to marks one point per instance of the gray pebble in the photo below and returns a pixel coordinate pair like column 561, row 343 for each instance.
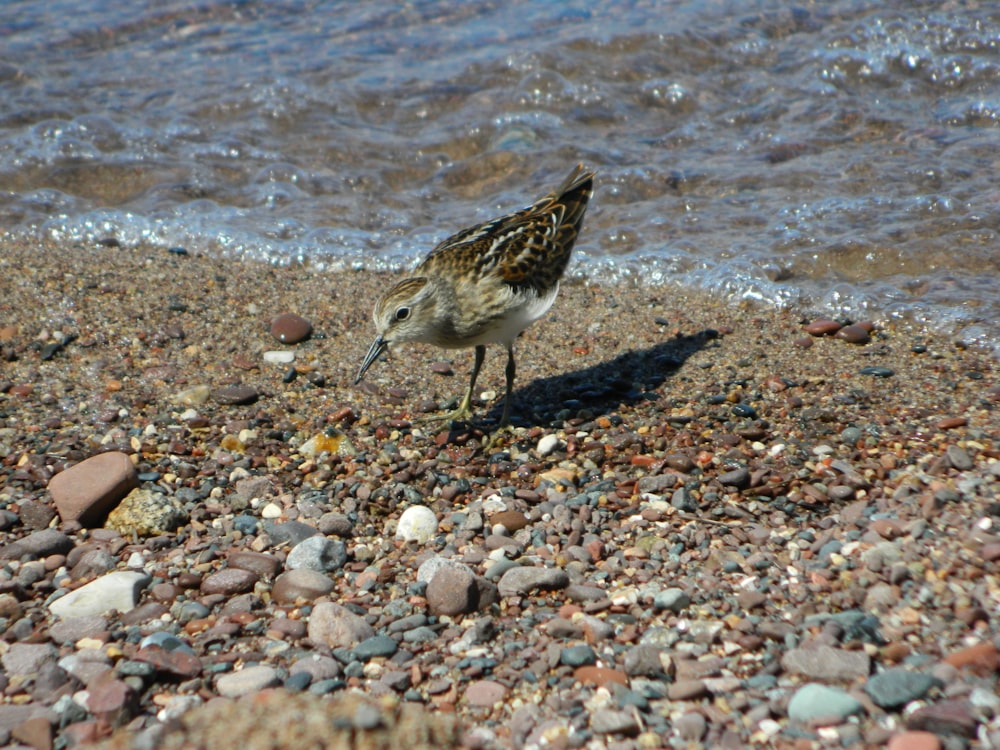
column 673, row 599
column 577, row 656
column 379, row 645
column 523, row 580
column 895, row 688
column 815, row 701
column 317, row 553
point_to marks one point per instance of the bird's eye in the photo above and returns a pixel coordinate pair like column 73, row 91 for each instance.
column 402, row 313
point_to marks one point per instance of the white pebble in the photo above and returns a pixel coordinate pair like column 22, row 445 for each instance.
column 271, row 511
column 279, row 357
column 418, row 523
column 548, row 443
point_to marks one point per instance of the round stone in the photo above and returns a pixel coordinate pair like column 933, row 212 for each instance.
column 418, row 523
column 290, row 328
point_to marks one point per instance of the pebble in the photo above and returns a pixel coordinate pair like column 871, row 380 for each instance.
column 114, row 591
column 486, row 693
column 418, row 523
column 914, row 741
column 853, row 334
column 247, row 680
column 577, row 656
column 452, row 591
column 691, row 726
column 822, row 327
column 524, row 580
column 739, row 478
column 959, row 458
column 672, row 599
column 235, row 395
column 28, row 658
column 600, row 676
column 944, row 717
column 374, row 647
column 289, row 328
column 827, row 663
column 609, row 721
column 229, row 581
column 815, row 702
column 36, row 545
column 335, row 626
column 548, row 444
column 264, row 565
column 87, row 491
column 305, row 584
column 279, row 357
column 113, row 702
column 317, row 553
column 894, row 688
column 146, row 513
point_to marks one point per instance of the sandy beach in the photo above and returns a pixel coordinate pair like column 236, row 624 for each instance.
column 708, row 528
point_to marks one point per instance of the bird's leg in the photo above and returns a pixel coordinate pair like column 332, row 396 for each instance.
column 464, row 410
column 504, row 426
column 510, row 371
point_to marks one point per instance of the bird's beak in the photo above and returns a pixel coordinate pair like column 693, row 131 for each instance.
column 378, row 346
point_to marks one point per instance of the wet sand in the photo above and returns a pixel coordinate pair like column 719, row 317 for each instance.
column 736, row 513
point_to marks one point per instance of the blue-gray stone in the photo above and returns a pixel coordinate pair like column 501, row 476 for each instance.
column 673, row 599
column 577, row 656
column 378, row 645
column 245, row 524
column 297, row 681
column 184, row 612
column 166, row 641
column 291, row 532
column 317, row 553
column 894, row 688
column 322, row 687
column 422, row 634
column 815, row 701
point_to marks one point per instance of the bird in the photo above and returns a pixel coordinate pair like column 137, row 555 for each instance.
column 485, row 284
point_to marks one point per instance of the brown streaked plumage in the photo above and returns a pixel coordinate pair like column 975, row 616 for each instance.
column 486, row 283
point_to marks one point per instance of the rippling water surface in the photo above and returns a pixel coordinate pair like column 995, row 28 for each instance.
column 839, row 155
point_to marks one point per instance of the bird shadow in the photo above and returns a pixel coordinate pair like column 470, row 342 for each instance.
column 630, row 378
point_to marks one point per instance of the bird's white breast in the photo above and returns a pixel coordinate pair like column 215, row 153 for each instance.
column 504, row 330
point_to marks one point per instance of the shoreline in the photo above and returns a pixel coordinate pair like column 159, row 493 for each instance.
column 724, row 504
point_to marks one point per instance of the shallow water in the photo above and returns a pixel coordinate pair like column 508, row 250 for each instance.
column 840, row 156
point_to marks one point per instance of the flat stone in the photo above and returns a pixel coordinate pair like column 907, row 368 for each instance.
column 247, row 680
column 264, row 565
column 827, row 663
column 304, row 584
column 418, row 523
column 86, row 491
column 609, row 721
column 28, row 658
column 452, row 591
column 291, row 533
column 118, row 591
column 235, row 395
column 672, row 599
column 512, row 520
column 335, row 626
column 178, row 662
column 980, row 658
column 815, row 702
column 894, row 688
column 591, row 675
column 944, row 717
column 229, row 581
column 36, row 732
column 36, row 545
column 914, row 741
column 524, row 580
column 112, row 700
column 577, row 656
column 74, row 628
column 486, row 693
column 317, row 553
column 374, row 647
column 147, row 513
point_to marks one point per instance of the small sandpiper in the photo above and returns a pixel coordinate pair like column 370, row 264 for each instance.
column 486, row 284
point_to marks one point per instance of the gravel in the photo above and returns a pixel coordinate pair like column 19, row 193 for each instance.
column 697, row 531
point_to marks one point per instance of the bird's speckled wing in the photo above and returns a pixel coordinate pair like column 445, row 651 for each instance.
column 528, row 248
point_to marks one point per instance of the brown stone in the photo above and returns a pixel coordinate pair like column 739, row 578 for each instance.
column 452, row 591
column 512, row 520
column 177, row 662
column 229, row 581
column 35, row 732
column 87, row 491
column 914, row 741
column 290, row 328
column 302, row 584
column 591, row 675
column 982, row 659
